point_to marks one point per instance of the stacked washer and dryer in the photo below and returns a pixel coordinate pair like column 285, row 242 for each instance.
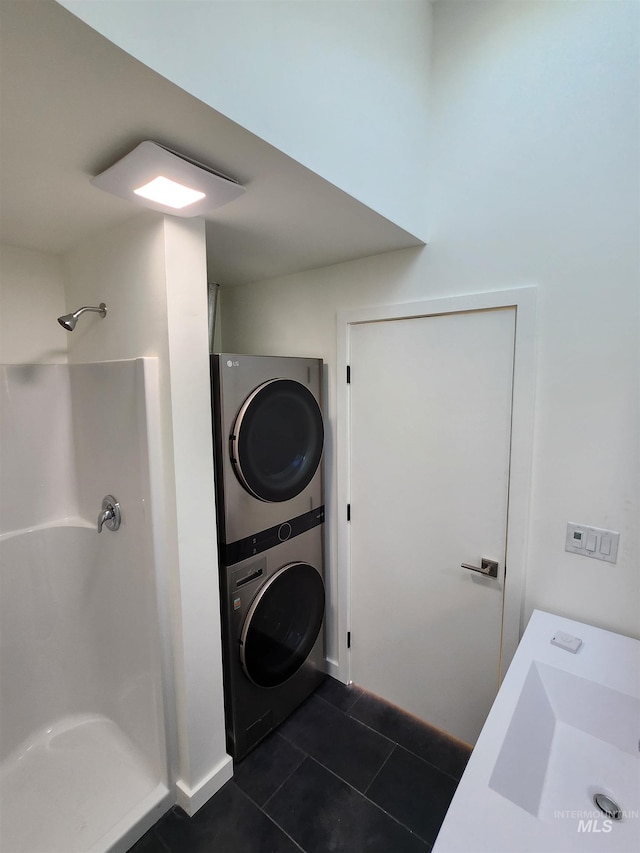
column 268, row 440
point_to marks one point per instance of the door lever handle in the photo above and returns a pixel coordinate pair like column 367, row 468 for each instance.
column 487, row 567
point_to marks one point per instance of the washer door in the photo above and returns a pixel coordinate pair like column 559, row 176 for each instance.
column 282, row 625
column 277, row 440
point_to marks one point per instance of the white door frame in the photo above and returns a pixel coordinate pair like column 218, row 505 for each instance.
column 523, row 299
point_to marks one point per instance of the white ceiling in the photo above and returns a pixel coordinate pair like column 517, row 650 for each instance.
column 71, row 103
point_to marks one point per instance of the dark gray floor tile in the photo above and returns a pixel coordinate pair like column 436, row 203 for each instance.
column 322, row 813
column 229, row 822
column 337, row 741
column 262, row 772
column 343, row 696
column 149, row 843
column 414, row 792
column 446, row 753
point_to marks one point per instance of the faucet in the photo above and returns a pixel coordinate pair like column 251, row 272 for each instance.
column 110, row 514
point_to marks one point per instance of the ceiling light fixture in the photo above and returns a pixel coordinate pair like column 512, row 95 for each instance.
column 164, row 180
column 165, row 191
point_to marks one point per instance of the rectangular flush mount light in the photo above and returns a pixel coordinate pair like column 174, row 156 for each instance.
column 164, row 180
column 165, row 191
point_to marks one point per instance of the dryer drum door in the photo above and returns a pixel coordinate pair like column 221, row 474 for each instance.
column 282, row 625
column 277, row 440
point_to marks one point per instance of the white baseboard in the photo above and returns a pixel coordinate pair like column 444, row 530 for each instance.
column 333, row 670
column 192, row 799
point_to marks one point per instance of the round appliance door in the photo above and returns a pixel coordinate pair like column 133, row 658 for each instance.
column 277, row 440
column 282, row 625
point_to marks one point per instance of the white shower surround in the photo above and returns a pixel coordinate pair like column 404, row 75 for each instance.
column 82, row 734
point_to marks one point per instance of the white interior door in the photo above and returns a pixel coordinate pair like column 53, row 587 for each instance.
column 429, row 450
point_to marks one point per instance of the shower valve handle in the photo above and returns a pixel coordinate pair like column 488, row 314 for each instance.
column 110, row 514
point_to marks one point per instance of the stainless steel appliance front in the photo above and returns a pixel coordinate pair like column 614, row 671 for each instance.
column 268, row 438
column 273, row 637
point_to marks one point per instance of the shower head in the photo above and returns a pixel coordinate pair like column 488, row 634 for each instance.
column 68, row 321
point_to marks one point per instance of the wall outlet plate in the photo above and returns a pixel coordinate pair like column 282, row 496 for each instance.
column 595, row 542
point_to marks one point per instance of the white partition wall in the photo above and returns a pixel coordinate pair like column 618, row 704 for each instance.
column 151, row 272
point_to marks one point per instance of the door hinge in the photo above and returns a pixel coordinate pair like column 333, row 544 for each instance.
column 348, row 639
column 348, row 375
column 348, row 512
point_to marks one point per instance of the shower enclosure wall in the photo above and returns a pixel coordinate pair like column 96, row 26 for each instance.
column 82, row 732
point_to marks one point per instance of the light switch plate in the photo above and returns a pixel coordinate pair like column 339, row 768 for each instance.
column 594, row 542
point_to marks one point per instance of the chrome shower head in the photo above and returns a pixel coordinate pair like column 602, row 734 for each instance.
column 68, row 321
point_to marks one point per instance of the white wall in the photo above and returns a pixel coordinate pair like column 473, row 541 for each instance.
column 339, row 86
column 151, row 272
column 34, row 401
column 31, row 298
column 534, row 180
column 37, row 459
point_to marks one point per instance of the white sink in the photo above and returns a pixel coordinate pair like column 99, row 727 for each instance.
column 563, row 728
column 568, row 739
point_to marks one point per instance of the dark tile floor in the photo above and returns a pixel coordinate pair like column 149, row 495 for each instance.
column 346, row 773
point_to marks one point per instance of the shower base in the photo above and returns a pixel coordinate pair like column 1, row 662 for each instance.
column 77, row 786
